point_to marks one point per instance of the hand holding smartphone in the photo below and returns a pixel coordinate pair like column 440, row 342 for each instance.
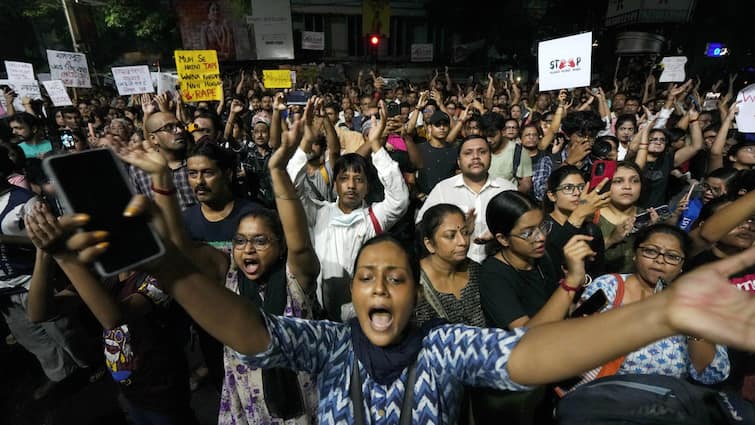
column 95, row 182
column 592, row 305
column 602, row 169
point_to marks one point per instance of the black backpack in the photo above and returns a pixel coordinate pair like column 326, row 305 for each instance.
column 651, row 399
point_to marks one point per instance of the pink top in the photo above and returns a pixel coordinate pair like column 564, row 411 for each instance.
column 18, row 180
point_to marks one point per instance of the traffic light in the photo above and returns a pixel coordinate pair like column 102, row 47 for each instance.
column 374, row 40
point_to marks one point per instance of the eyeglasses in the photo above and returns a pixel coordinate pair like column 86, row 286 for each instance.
column 668, row 257
column 511, row 127
column 570, row 187
column 260, row 242
column 715, row 190
column 543, row 228
column 658, row 140
column 170, row 127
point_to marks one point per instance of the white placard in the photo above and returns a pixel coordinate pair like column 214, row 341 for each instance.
column 273, row 37
column 673, row 69
column 69, row 67
column 57, row 92
column 133, row 80
column 312, row 40
column 565, row 62
column 422, row 52
column 29, row 89
column 21, row 71
column 44, row 76
column 746, row 114
column 167, row 82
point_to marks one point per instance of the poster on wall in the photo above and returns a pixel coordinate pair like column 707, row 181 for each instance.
column 217, row 25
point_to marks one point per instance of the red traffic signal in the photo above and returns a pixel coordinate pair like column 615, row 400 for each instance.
column 374, row 40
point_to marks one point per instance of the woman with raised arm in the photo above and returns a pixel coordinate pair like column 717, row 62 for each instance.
column 272, row 265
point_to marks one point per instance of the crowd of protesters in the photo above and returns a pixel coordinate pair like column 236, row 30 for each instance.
column 430, row 235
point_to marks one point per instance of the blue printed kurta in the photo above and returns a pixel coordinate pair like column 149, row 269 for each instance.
column 451, row 356
column 668, row 356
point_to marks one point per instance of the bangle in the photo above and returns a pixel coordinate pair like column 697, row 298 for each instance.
column 567, row 288
column 166, row 192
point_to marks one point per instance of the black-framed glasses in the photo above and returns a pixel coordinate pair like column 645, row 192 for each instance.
column 528, row 235
column 653, row 253
column 259, row 242
column 511, row 127
column 171, row 127
column 714, row 190
column 570, row 187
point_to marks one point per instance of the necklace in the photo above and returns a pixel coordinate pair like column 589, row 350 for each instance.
column 519, row 271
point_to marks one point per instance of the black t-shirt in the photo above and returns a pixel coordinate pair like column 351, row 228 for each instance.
column 508, row 294
column 219, row 233
column 655, row 181
column 437, row 164
column 560, row 235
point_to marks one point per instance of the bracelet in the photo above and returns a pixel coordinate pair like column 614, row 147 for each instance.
column 166, row 192
column 567, row 288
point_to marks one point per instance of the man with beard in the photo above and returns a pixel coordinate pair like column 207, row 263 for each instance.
column 509, row 160
column 170, row 137
column 214, row 220
column 471, row 190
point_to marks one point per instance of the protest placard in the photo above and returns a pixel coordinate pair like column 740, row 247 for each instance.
column 746, row 114
column 167, row 82
column 20, row 71
column 57, row 92
column 199, row 75
column 69, row 67
column 422, row 52
column 23, row 89
column 276, row 78
column 673, row 69
column 133, row 80
column 312, row 40
column 565, row 62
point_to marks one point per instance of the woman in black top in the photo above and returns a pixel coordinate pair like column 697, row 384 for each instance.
column 572, row 205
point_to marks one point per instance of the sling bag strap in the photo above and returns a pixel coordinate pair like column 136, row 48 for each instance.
column 357, row 400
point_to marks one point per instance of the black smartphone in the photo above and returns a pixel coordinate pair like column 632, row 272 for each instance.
column 95, row 182
column 594, row 304
column 394, row 109
column 66, row 139
column 297, row 97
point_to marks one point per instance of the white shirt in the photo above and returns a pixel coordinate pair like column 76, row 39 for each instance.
column 454, row 191
column 337, row 237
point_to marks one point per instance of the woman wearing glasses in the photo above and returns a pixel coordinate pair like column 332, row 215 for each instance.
column 572, row 204
column 519, row 286
column 660, row 251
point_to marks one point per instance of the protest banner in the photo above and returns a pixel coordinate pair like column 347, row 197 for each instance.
column 57, row 92
column 132, row 80
column 276, row 78
column 23, row 89
column 69, row 67
column 167, row 82
column 198, row 75
column 565, row 62
column 746, row 114
column 20, row 71
column 673, row 69
column 311, row 40
column 422, row 52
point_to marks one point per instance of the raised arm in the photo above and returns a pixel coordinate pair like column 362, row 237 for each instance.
column 302, row 260
column 490, row 92
column 716, row 158
column 728, row 218
column 550, row 133
column 696, row 134
column 411, row 127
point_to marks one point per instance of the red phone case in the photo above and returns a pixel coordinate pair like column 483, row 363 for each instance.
column 602, row 169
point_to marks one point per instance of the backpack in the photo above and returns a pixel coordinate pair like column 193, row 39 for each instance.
column 651, row 399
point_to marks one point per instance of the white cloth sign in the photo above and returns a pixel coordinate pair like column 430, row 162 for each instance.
column 167, row 82
column 746, row 114
column 21, row 71
column 422, row 52
column 133, row 80
column 673, row 69
column 57, row 92
column 565, row 62
column 312, row 40
column 29, row 89
column 69, row 67
column 273, row 37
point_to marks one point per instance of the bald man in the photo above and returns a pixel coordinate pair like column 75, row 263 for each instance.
column 171, row 139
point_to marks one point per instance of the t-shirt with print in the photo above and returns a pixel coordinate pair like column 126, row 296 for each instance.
column 502, row 164
column 437, row 164
column 218, row 233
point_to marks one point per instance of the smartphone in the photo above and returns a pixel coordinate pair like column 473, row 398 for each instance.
column 95, row 182
column 602, row 169
column 390, row 83
column 394, row 109
column 641, row 220
column 592, row 305
column 66, row 139
column 693, row 100
column 297, row 97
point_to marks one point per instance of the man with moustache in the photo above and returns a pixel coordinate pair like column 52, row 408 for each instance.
column 170, row 137
column 471, row 190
